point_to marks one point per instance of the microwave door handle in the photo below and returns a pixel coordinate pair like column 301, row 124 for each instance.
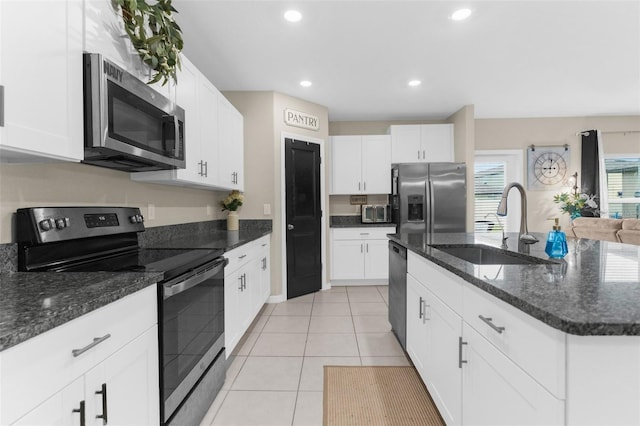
column 176, row 140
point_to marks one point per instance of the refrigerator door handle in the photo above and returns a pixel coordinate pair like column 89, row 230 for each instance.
column 431, row 209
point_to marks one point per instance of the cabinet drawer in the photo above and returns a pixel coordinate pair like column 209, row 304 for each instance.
column 242, row 255
column 535, row 347
column 363, row 233
column 36, row 369
column 441, row 282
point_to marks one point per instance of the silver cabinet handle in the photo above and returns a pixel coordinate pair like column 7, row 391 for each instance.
column 264, row 245
column 96, row 341
column 489, row 322
column 418, row 154
column 1, row 106
column 423, row 155
column 364, row 186
column 206, row 169
column 364, row 233
column 199, row 168
column 421, row 312
column 367, row 246
column 244, row 281
column 103, row 392
column 242, row 257
column 240, row 279
column 460, row 360
column 358, row 186
column 361, row 248
column 80, row 410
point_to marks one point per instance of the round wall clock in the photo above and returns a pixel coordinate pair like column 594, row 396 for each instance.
column 547, row 166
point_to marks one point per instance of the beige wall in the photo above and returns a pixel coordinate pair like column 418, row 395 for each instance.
column 67, row 184
column 464, row 147
column 263, row 125
column 520, row 133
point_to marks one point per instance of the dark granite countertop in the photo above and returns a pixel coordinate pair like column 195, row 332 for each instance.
column 212, row 239
column 594, row 290
column 354, row 222
column 34, row 302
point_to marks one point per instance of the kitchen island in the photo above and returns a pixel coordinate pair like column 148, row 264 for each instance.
column 549, row 342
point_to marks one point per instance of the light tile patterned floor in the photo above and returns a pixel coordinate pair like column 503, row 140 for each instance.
column 276, row 376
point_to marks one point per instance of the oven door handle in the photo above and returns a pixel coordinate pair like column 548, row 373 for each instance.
column 178, row 285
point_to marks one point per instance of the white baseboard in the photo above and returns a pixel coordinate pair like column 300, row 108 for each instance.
column 358, row 282
column 278, row 298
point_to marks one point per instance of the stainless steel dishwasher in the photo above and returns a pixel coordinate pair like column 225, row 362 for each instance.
column 398, row 291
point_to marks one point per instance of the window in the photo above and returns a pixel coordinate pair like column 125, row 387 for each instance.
column 622, row 198
column 493, row 170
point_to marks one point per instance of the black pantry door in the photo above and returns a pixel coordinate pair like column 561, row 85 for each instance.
column 303, row 222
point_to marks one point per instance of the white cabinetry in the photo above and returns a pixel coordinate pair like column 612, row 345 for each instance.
column 360, row 253
column 41, row 81
column 213, row 137
column 417, row 143
column 360, row 164
column 246, row 281
column 469, row 346
column 37, row 389
column 231, row 148
column 498, row 392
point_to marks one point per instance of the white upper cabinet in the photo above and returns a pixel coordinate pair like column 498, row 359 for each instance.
column 214, row 142
column 421, row 143
column 361, row 164
column 41, row 81
column 231, row 146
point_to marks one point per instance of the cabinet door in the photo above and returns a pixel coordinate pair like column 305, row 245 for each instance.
column 405, row 144
column 126, row 385
column 232, row 326
column 41, row 73
column 208, row 109
column 444, row 374
column 376, row 164
column 347, row 259
column 231, row 146
column 346, row 165
column 58, row 409
column 497, row 392
column 265, row 273
column 437, row 142
column 419, row 335
column 376, row 261
column 187, row 98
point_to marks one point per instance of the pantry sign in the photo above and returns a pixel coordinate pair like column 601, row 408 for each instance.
column 301, row 119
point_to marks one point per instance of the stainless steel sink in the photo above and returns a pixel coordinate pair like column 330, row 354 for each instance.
column 479, row 254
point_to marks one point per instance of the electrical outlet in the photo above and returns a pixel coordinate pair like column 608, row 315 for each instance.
column 151, row 211
column 267, row 209
column 209, row 210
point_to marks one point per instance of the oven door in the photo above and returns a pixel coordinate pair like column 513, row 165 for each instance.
column 192, row 330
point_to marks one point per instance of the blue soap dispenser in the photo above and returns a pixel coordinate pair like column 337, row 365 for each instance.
column 556, row 242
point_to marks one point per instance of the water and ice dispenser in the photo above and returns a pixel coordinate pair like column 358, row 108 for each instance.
column 415, row 209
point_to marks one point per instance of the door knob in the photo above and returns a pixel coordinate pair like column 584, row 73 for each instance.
column 289, row 227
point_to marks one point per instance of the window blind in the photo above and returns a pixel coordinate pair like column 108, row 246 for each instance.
column 488, row 187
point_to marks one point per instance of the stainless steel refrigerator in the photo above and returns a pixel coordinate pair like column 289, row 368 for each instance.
column 429, row 197
column 425, row 198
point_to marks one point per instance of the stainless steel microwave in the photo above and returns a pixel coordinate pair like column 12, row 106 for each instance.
column 376, row 213
column 127, row 125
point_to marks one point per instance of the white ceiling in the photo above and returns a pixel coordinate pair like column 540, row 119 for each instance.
column 509, row 59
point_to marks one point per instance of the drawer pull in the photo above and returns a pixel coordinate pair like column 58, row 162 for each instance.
column 421, row 312
column 489, row 322
column 103, row 392
column 460, row 360
column 242, row 257
column 96, row 341
column 81, row 411
column 364, row 233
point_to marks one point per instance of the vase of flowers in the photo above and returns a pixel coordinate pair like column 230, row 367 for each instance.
column 231, row 203
column 574, row 203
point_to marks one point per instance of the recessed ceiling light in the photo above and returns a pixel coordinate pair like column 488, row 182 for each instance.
column 305, row 83
column 414, row 83
column 461, row 14
column 292, row 15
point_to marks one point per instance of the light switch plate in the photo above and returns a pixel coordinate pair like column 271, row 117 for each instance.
column 267, row 209
column 151, row 211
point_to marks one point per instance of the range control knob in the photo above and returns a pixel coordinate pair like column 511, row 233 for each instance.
column 133, row 219
column 60, row 223
column 46, row 224
column 140, row 218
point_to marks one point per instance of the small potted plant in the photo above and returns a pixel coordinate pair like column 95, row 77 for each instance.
column 231, row 203
column 573, row 203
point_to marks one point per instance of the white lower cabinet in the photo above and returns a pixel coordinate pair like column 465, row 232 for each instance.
column 360, row 253
column 246, row 288
column 481, row 375
column 112, row 350
column 498, row 392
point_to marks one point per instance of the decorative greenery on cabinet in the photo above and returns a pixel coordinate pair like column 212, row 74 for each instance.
column 155, row 35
